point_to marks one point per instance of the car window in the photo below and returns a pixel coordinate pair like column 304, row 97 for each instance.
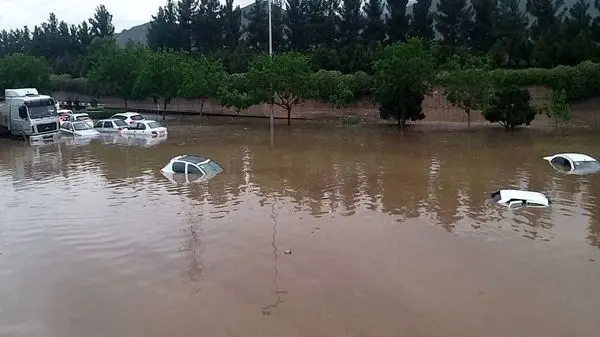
column 98, row 125
column 121, row 117
column 561, row 163
column 137, row 117
column 191, row 169
column 154, row 125
column 108, row 124
column 178, row 167
column 141, row 126
column 119, row 122
column 81, row 126
column 82, row 118
column 212, row 168
column 66, row 125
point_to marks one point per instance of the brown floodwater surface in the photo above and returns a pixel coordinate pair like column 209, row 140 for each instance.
column 390, row 234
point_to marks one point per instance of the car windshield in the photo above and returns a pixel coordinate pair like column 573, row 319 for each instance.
column 212, row 168
column 41, row 108
column 83, row 118
column 81, row 126
column 137, row 117
column 154, row 125
column 119, row 122
column 587, row 165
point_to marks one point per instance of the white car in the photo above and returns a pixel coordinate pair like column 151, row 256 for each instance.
column 80, row 117
column 81, row 129
column 573, row 163
column 145, row 128
column 110, row 125
column 517, row 199
column 190, row 168
column 128, row 117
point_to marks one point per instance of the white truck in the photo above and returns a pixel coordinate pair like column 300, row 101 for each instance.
column 24, row 112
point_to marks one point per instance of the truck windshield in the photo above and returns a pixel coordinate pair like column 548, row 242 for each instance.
column 41, row 109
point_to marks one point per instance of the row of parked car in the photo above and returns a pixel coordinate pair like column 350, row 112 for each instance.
column 127, row 123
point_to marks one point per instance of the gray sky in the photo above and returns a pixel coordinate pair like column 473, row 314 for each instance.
column 126, row 13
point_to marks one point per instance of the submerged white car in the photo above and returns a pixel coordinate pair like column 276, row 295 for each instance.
column 145, row 128
column 81, row 129
column 573, row 163
column 110, row 125
column 80, row 117
column 190, row 168
column 517, row 199
column 128, row 117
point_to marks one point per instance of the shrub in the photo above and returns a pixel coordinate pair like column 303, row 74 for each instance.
column 510, row 107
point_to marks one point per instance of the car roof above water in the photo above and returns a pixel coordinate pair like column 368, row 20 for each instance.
column 192, row 159
column 576, row 157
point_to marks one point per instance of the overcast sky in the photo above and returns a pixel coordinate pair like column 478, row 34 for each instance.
column 126, row 13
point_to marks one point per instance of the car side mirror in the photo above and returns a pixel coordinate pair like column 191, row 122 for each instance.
column 23, row 112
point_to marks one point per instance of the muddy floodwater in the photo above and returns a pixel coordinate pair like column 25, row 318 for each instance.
column 324, row 230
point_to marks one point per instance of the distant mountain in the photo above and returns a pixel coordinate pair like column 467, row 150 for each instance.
column 137, row 34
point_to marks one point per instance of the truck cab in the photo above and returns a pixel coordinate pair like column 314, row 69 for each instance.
column 24, row 112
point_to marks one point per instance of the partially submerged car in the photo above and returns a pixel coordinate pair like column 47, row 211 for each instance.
column 128, row 117
column 518, row 198
column 81, row 129
column 573, row 163
column 190, row 168
column 145, row 128
column 80, row 117
column 110, row 125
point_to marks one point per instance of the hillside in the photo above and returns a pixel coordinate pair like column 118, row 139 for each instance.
column 137, row 34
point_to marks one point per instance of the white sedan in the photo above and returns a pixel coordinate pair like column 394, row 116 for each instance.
column 80, row 117
column 517, row 199
column 81, row 129
column 145, row 128
column 110, row 125
column 128, row 117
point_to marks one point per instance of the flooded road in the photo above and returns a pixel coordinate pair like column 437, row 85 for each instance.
column 389, row 235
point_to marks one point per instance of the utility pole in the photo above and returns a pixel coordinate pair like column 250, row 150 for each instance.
column 272, row 118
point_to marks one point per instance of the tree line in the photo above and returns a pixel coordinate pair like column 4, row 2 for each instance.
column 402, row 62
column 338, row 35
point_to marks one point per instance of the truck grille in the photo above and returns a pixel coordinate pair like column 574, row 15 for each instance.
column 46, row 127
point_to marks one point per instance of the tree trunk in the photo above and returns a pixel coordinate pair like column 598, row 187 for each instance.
column 289, row 112
column 202, row 106
column 164, row 109
column 468, row 111
column 125, row 101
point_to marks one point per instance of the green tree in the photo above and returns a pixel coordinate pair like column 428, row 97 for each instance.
column 484, row 18
column 236, row 94
column 510, row 32
column 283, row 80
column 258, row 26
column 209, row 26
column 101, row 23
column 202, row 79
column 403, row 74
column 510, row 108
column 160, row 77
column 163, row 33
column 375, row 29
column 232, row 25
column 559, row 110
column 421, row 21
column 468, row 90
column 23, row 71
column 186, row 13
column 296, row 21
column 398, row 20
column 454, row 22
column 115, row 71
column 351, row 22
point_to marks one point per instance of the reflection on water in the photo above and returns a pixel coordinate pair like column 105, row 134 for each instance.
column 95, row 241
